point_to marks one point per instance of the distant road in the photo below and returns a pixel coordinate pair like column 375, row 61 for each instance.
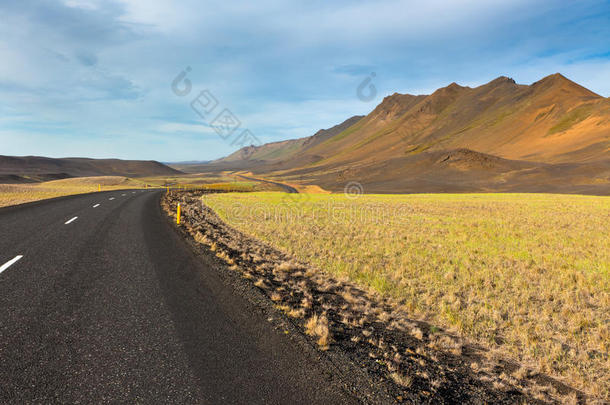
column 101, row 301
column 286, row 187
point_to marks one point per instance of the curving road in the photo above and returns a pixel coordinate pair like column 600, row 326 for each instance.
column 108, row 304
column 285, row 187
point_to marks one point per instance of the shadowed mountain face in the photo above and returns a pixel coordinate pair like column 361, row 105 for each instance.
column 553, row 135
column 34, row 168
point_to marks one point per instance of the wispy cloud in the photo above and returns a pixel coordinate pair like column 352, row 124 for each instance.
column 83, row 72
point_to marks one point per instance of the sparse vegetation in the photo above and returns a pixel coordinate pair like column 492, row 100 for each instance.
column 572, row 118
column 11, row 194
column 526, row 274
column 318, row 326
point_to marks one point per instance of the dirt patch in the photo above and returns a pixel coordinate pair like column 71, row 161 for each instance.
column 412, row 360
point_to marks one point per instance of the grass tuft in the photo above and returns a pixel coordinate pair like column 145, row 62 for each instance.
column 318, row 326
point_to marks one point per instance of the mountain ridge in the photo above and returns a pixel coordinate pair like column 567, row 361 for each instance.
column 553, row 121
column 18, row 169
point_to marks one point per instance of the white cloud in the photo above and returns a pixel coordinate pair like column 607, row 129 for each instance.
column 174, row 127
column 84, row 4
column 102, row 68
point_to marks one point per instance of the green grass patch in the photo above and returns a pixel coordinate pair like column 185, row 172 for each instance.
column 570, row 119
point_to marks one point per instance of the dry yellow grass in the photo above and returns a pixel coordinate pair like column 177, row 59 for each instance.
column 210, row 181
column 526, row 274
column 11, row 194
column 318, row 326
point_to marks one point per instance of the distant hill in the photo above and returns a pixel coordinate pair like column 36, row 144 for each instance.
column 22, row 169
column 283, row 154
column 552, row 135
column 295, row 148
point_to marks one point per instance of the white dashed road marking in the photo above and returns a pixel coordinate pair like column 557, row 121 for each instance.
column 10, row 263
column 96, row 205
column 70, row 221
column 111, row 198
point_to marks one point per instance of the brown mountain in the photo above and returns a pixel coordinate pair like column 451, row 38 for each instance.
column 21, row 169
column 287, row 153
column 552, row 135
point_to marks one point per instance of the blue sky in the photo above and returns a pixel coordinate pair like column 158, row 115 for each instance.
column 94, row 78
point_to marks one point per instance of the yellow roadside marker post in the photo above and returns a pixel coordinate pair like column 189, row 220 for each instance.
column 99, row 187
column 178, row 215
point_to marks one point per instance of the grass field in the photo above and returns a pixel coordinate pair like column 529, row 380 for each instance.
column 11, row 194
column 526, row 274
column 197, row 178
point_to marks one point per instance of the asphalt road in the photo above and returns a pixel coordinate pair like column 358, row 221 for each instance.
column 113, row 306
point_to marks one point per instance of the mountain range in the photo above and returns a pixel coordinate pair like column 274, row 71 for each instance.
column 24, row 169
column 550, row 136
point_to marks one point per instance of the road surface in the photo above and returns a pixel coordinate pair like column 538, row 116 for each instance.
column 102, row 301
